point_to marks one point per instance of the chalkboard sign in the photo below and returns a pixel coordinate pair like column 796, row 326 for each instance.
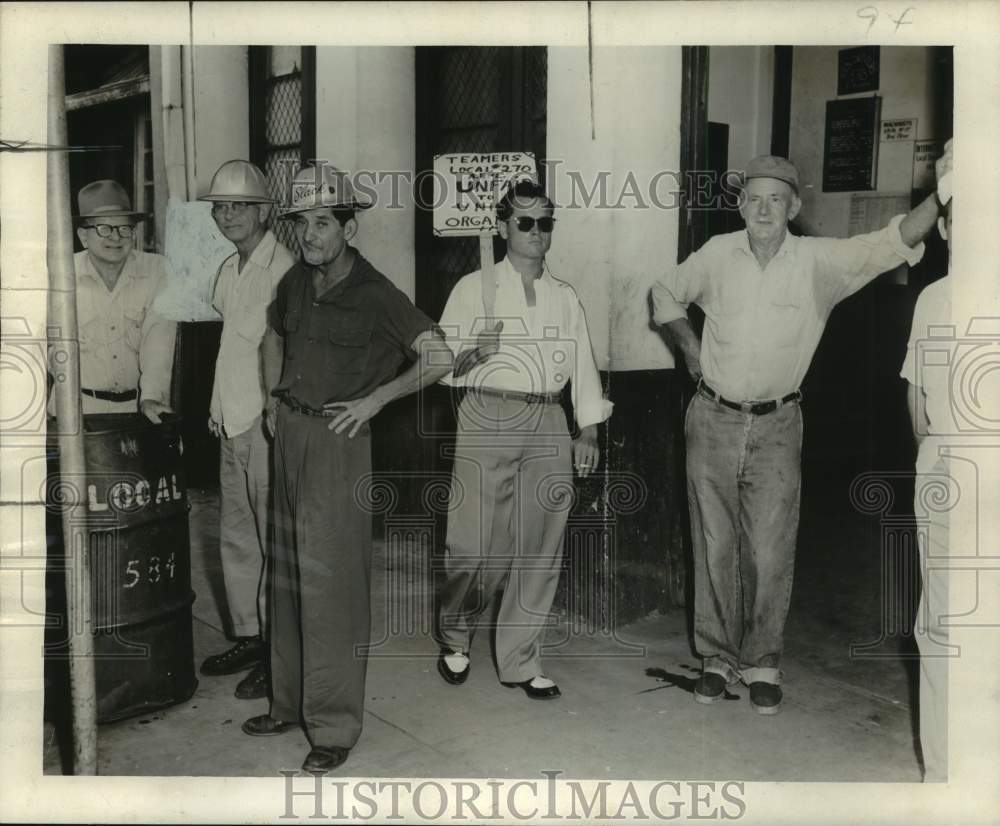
column 857, row 70
column 850, row 144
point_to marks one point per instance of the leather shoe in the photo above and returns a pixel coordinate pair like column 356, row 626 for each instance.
column 765, row 697
column 254, row 685
column 248, row 651
column 548, row 693
column 453, row 677
column 709, row 688
column 264, row 725
column 325, row 758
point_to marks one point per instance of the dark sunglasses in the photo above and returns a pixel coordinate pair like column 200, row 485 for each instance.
column 526, row 222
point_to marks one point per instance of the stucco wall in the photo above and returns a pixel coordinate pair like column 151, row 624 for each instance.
column 612, row 251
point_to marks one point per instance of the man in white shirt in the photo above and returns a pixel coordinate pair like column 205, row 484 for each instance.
column 766, row 296
column 513, row 454
column 126, row 347
column 928, row 369
column 244, row 289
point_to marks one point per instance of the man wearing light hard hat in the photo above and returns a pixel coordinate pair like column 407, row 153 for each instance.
column 244, row 287
column 338, row 333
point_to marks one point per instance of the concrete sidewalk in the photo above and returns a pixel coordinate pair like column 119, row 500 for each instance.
column 626, row 710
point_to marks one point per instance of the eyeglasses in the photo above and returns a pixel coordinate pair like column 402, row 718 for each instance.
column 233, row 207
column 526, row 222
column 107, row 230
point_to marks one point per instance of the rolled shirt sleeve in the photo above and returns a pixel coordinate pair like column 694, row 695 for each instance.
column 681, row 286
column 853, row 262
column 156, row 349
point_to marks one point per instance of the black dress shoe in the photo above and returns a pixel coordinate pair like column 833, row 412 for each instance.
column 248, row 651
column 264, row 725
column 325, row 758
column 765, row 697
column 709, row 688
column 453, row 677
column 548, row 693
column 254, row 685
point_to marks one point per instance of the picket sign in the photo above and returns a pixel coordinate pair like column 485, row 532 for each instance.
column 467, row 186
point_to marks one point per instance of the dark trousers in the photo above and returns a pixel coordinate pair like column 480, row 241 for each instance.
column 320, row 617
column 744, row 478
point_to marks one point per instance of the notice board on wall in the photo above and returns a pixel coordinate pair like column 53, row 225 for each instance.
column 857, row 70
column 850, row 144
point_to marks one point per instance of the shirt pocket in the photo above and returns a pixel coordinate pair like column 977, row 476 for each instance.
column 785, row 317
column 252, row 324
column 132, row 318
column 348, row 349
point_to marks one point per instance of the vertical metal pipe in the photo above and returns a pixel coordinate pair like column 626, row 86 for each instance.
column 72, row 468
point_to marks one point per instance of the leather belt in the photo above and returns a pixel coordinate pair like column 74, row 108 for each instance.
column 761, row 408
column 111, row 395
column 517, row 396
column 293, row 404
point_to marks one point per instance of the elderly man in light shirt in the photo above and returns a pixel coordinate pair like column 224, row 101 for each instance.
column 514, row 455
column 766, row 296
column 126, row 346
column 244, row 288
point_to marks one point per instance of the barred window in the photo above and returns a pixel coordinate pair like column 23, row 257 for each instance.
column 282, row 118
column 471, row 99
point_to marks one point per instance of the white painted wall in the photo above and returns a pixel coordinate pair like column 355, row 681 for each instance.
column 740, row 93
column 366, row 121
column 612, row 256
column 906, row 87
column 222, row 110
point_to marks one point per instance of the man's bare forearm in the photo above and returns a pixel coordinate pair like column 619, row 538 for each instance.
column 919, row 221
column 434, row 362
column 684, row 338
column 271, row 356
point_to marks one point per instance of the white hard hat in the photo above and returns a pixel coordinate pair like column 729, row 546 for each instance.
column 329, row 188
column 238, row 181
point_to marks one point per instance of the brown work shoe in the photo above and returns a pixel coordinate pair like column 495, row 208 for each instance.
column 248, row 651
column 254, row 685
column 324, row 758
column 264, row 725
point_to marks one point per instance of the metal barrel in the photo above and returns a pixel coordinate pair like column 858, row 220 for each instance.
column 138, row 543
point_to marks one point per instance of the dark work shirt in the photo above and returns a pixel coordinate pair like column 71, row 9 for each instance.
column 347, row 342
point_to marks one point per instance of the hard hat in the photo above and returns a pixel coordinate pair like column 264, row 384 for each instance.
column 329, row 188
column 238, row 181
column 105, row 199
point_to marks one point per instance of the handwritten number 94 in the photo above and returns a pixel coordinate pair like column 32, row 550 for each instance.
column 871, row 14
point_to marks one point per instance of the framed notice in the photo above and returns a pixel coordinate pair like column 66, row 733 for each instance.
column 857, row 70
column 850, row 144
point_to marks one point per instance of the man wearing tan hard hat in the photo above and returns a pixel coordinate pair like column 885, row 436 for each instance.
column 766, row 295
column 126, row 347
column 244, row 287
column 339, row 332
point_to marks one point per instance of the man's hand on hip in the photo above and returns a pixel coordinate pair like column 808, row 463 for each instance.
column 586, row 453
column 354, row 413
column 214, row 428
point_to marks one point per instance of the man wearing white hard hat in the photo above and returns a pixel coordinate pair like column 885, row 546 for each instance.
column 244, row 287
column 339, row 331
column 126, row 347
column 766, row 296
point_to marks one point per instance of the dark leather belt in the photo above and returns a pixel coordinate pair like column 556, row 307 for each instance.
column 295, row 405
column 110, row 395
column 754, row 408
column 517, row 396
